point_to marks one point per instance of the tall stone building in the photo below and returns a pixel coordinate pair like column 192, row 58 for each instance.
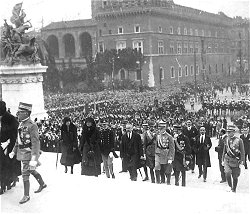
column 179, row 43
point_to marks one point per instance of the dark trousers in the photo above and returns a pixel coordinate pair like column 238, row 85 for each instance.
column 245, row 164
column 131, row 163
column 177, row 177
column 133, row 172
column 203, row 170
column 192, row 165
column 222, row 171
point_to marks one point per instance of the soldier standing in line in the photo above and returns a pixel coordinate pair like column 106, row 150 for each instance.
column 164, row 154
column 27, row 149
column 233, row 158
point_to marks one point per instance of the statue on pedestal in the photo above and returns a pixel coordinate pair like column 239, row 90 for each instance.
column 17, row 46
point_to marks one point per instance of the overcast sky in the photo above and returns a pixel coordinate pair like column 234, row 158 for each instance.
column 58, row 10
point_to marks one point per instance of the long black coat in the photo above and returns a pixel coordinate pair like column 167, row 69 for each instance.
column 183, row 141
column 10, row 168
column 69, row 141
column 202, row 151
column 91, row 153
column 131, row 149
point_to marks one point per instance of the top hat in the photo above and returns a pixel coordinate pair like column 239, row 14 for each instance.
column 24, row 107
column 231, row 128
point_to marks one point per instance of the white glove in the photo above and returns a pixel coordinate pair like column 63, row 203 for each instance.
column 5, row 144
column 170, row 161
column 175, row 135
column 33, row 163
column 242, row 166
column 111, row 155
column 222, row 163
column 11, row 155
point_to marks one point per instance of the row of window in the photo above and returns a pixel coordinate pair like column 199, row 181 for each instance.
column 189, row 47
column 191, row 32
column 136, row 44
column 181, row 48
column 186, row 72
column 138, row 74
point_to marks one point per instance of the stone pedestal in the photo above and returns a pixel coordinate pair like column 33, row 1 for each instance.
column 23, row 83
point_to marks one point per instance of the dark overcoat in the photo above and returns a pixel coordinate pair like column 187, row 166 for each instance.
column 10, row 167
column 202, row 151
column 90, row 148
column 68, row 143
column 178, row 163
column 131, row 149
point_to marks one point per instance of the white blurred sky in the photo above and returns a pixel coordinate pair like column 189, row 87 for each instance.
column 58, row 10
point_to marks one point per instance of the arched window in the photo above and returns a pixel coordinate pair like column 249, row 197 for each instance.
column 69, row 44
column 52, row 43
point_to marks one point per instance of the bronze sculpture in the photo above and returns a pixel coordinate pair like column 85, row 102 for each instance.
column 16, row 45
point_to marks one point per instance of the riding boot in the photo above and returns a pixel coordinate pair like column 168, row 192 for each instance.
column 26, row 197
column 157, row 175
column 66, row 169
column 235, row 182
column 72, row 169
column 229, row 180
column 39, row 179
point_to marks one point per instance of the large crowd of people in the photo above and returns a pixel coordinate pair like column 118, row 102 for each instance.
column 152, row 130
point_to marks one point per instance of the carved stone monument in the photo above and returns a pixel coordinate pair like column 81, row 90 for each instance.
column 21, row 74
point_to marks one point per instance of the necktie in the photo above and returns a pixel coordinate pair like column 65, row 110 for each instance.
column 202, row 139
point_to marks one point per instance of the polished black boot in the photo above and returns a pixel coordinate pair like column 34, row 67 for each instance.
column 235, row 182
column 39, row 179
column 26, row 197
column 72, row 169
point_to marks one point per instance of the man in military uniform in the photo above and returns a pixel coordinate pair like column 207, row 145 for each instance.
column 27, row 149
column 164, row 154
column 107, row 149
column 246, row 141
column 233, row 157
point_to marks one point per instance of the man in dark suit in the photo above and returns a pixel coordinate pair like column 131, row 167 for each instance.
column 203, row 144
column 191, row 132
column 246, row 141
column 131, row 151
column 219, row 149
